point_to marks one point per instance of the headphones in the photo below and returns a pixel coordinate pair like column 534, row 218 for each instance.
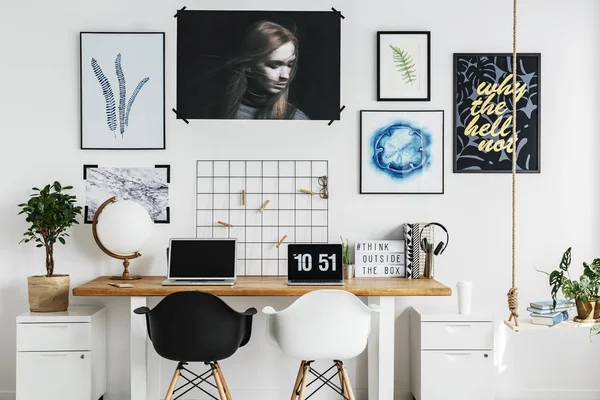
column 441, row 246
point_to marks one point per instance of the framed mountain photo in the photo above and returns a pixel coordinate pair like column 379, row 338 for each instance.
column 403, row 66
column 122, row 90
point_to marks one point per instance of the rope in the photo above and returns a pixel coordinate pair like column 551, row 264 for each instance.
column 513, row 293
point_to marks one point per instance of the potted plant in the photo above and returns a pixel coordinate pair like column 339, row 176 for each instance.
column 348, row 266
column 584, row 291
column 50, row 212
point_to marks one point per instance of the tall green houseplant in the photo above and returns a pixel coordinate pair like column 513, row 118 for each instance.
column 50, row 212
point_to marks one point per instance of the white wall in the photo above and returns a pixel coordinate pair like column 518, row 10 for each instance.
column 39, row 110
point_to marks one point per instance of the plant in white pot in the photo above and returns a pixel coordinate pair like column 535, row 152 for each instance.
column 50, row 212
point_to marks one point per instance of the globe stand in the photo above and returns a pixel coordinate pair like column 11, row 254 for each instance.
column 126, row 275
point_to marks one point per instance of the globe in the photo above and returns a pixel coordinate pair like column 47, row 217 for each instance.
column 120, row 229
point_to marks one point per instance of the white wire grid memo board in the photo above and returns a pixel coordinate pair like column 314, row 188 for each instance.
column 231, row 193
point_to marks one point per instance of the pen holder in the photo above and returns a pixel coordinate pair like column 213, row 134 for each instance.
column 348, row 271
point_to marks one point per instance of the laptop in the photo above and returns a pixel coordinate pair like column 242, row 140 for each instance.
column 201, row 262
column 315, row 264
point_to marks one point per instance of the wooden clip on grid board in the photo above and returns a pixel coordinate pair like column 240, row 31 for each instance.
column 281, row 241
column 308, row 191
column 264, row 206
column 244, row 198
column 225, row 224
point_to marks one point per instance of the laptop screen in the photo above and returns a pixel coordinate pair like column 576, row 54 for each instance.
column 315, row 262
column 202, row 258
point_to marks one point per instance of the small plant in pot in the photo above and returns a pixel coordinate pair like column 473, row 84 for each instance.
column 584, row 291
column 50, row 212
column 348, row 266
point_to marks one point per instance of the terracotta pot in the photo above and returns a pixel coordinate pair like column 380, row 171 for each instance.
column 48, row 294
column 348, row 271
column 587, row 310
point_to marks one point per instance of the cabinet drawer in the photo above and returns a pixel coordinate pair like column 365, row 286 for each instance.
column 457, row 335
column 54, row 375
column 54, row 337
column 456, row 375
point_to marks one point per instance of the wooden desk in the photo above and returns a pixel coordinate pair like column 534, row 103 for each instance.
column 145, row 371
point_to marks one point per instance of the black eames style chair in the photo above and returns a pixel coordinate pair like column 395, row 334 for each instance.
column 197, row 327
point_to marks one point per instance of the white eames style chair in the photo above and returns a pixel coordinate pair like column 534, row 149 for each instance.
column 321, row 325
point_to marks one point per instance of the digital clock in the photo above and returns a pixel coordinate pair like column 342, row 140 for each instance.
column 315, row 262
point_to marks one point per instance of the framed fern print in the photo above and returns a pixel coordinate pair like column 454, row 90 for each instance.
column 403, row 66
column 122, row 90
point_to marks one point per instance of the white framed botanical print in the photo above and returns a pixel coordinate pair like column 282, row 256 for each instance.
column 403, row 66
column 122, row 90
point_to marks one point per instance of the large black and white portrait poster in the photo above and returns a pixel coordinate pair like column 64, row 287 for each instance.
column 258, row 65
column 483, row 113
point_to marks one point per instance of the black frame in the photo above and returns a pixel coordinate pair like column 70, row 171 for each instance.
column 428, row 34
column 164, row 221
column 539, row 118
column 361, row 151
column 164, row 146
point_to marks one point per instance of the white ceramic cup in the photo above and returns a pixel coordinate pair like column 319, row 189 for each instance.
column 464, row 297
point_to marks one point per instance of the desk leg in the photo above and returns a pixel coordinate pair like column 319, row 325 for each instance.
column 381, row 349
column 152, row 366
column 138, row 338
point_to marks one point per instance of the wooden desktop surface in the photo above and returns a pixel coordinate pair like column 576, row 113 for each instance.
column 267, row 286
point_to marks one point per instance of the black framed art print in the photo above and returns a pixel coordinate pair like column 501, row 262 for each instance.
column 403, row 66
column 483, row 113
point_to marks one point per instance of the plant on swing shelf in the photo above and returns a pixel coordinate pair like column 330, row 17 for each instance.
column 584, row 291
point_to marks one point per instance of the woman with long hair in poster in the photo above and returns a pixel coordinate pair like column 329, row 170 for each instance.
column 260, row 76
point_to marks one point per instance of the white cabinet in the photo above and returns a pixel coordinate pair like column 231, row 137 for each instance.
column 62, row 355
column 451, row 355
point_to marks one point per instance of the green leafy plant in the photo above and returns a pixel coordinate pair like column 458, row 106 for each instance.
column 345, row 252
column 50, row 212
column 584, row 289
column 405, row 65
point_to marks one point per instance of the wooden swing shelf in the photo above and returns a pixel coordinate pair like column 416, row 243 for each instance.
column 526, row 325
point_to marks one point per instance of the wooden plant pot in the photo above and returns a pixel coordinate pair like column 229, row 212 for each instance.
column 48, row 294
column 586, row 311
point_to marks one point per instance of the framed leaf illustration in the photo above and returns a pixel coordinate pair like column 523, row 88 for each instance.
column 403, row 66
column 122, row 90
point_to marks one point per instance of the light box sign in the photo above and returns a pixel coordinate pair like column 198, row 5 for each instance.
column 379, row 258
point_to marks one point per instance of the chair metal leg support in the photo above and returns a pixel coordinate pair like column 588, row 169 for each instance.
column 319, row 377
column 203, row 379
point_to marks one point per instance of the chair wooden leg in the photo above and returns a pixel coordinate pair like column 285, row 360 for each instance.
column 347, row 382
column 305, row 373
column 225, row 387
column 298, row 379
column 218, row 382
column 173, row 383
column 341, row 376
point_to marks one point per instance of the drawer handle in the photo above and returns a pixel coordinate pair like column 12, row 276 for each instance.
column 457, row 354
column 55, row 355
column 54, row 326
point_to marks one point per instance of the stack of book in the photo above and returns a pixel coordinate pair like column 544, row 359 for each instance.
column 542, row 312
